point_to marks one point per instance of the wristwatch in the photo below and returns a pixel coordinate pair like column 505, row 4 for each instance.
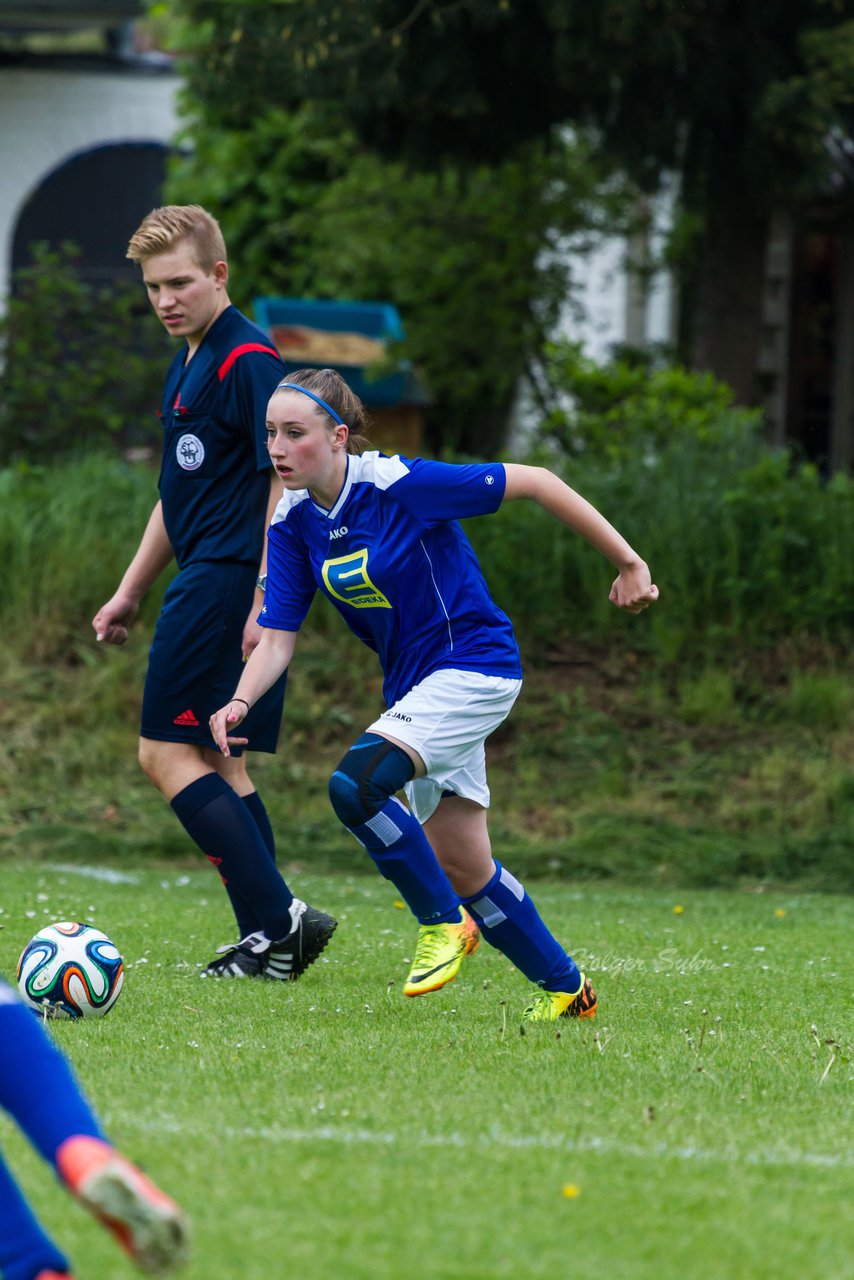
column 261, row 583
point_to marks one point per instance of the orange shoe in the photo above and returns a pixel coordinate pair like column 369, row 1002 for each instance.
column 472, row 933
column 148, row 1225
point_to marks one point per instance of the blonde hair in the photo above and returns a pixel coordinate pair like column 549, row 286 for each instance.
column 330, row 387
column 163, row 229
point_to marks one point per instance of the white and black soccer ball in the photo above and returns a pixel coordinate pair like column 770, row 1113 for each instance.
column 70, row 970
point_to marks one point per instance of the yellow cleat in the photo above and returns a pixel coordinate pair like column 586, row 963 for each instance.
column 439, row 953
column 548, row 1006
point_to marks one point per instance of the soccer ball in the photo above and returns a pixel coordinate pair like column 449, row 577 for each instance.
column 70, row 970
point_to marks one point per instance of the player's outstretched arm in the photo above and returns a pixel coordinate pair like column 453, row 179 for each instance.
column 270, row 657
column 154, row 553
column 633, row 589
column 252, row 632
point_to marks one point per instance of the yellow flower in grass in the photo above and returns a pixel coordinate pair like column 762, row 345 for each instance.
column 678, row 911
column 399, row 903
column 780, row 912
column 570, row 1191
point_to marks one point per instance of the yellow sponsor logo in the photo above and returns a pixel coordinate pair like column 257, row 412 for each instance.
column 347, row 579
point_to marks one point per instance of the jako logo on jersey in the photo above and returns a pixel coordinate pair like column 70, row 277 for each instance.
column 190, row 453
column 338, row 533
column 396, row 715
column 347, row 579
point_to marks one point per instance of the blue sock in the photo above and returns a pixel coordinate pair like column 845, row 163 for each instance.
column 402, row 853
column 509, row 921
column 37, row 1086
column 25, row 1250
column 223, row 827
column 362, row 790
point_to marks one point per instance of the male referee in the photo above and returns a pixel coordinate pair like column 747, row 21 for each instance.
column 217, row 495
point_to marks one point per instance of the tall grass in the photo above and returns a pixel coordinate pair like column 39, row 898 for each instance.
column 731, row 762
column 747, row 551
column 602, row 771
column 66, row 536
column 746, row 548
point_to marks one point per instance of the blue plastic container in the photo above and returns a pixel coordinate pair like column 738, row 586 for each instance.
column 378, row 320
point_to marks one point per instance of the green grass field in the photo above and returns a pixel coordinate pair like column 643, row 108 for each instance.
column 700, row 1127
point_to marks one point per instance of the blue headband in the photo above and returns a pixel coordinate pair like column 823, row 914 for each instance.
column 294, row 386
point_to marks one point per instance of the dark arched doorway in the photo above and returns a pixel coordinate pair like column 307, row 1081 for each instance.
column 95, row 200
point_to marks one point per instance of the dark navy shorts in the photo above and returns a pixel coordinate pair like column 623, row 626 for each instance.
column 196, row 659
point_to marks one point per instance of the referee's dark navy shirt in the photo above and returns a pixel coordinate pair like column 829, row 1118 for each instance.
column 215, row 471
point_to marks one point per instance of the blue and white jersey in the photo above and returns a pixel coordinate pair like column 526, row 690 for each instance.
column 393, row 560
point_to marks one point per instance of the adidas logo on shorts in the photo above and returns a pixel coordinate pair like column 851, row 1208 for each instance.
column 186, row 717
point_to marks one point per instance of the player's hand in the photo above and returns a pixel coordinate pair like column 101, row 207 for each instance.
column 634, row 590
column 227, row 718
column 112, row 620
column 252, row 633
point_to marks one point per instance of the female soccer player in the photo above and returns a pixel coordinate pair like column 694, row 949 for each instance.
column 379, row 536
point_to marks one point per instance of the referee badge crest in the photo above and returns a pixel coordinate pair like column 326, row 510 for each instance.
column 190, row 452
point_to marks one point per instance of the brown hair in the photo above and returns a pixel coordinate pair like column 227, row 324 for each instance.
column 162, row 229
column 330, row 387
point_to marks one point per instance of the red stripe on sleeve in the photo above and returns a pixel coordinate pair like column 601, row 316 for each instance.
column 241, row 351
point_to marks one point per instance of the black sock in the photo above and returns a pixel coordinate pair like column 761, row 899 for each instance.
column 256, row 807
column 223, row 827
column 247, row 920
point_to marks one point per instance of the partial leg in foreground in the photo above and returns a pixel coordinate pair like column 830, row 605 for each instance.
column 148, row 1225
column 40, row 1092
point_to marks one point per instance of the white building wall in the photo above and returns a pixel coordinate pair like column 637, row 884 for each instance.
column 48, row 116
column 611, row 305
column 615, row 306
column 599, row 320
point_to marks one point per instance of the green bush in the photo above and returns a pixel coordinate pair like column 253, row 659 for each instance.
column 788, row 538
column 632, row 406
column 747, row 546
column 82, row 363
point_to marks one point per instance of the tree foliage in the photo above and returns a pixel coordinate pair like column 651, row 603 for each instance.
column 468, row 252
column 634, row 407
column 419, row 79
column 734, row 94
column 740, row 99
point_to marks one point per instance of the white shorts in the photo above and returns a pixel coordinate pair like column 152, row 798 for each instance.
column 447, row 719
